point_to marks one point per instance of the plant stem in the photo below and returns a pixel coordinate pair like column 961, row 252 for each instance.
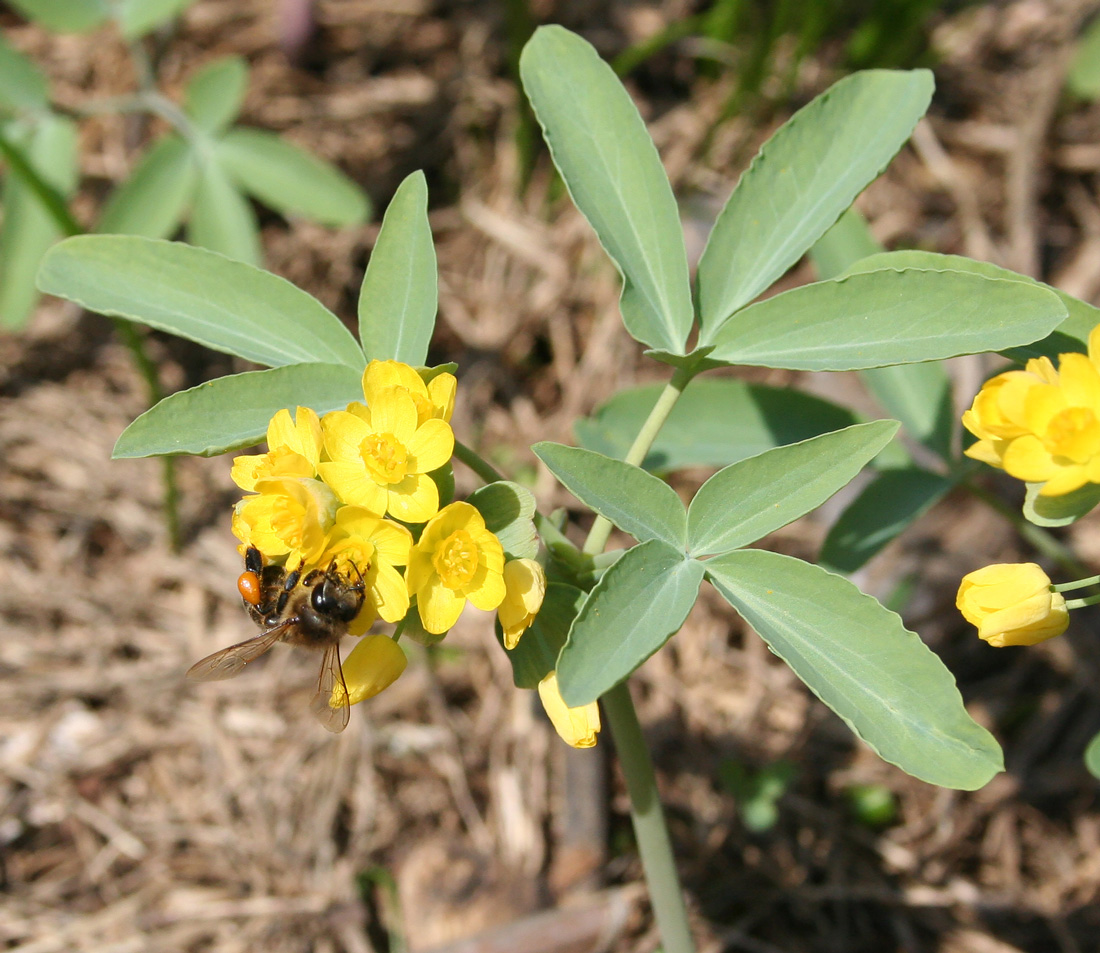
column 481, row 467
column 1036, row 535
column 1079, row 584
column 654, row 844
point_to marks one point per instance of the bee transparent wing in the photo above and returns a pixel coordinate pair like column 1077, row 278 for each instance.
column 333, row 712
column 229, row 662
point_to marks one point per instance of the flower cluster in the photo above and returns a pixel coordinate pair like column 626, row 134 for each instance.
column 359, row 490
column 1042, row 424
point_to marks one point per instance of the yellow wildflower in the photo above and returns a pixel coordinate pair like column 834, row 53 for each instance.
column 1012, row 604
column 525, row 585
column 433, row 399
column 294, row 450
column 456, row 559
column 288, row 516
column 380, row 459
column 373, row 665
column 576, row 726
column 374, row 546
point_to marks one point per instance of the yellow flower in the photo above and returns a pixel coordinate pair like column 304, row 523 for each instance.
column 294, row 449
column 380, row 459
column 576, row 726
column 288, row 516
column 525, row 585
column 374, row 546
column 373, row 665
column 456, row 559
column 1012, row 604
column 997, row 415
column 434, row 399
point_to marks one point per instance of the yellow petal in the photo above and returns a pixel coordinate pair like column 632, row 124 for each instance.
column 486, row 589
column 441, row 392
column 1065, row 480
column 350, row 482
column 414, row 500
column 431, row 446
column 389, row 592
column 393, row 411
column 439, row 607
column 525, row 583
column 1080, row 381
column 576, row 726
column 373, row 665
column 343, row 433
column 1027, row 459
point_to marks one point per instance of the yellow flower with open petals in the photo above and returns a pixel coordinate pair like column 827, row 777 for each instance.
column 1012, row 604
column 381, row 459
column 374, row 546
column 456, row 559
column 576, row 726
column 287, row 517
column 525, row 585
column 373, row 665
column 436, row 398
column 294, row 450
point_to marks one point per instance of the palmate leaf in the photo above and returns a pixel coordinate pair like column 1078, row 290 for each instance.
column 400, row 292
column 636, row 501
column 212, row 97
column 152, row 201
column 750, row 499
column 199, row 295
column 805, row 176
column 232, row 412
column 614, row 175
column 859, row 659
column 637, row 605
column 884, row 317
column 23, row 86
column 222, row 218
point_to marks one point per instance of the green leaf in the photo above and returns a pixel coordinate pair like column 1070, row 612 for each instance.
column 635, row 501
column 536, row 654
column 749, row 499
column 859, row 659
column 638, row 604
column 1083, row 78
column 1059, row 510
column 887, row 505
column 212, row 97
column 291, row 180
column 151, row 202
column 222, row 219
column 199, row 295
column 231, row 412
column 28, row 228
column 138, row 17
column 713, row 424
column 615, row 177
column 509, row 512
column 23, row 86
column 886, row 317
column 843, row 245
column 805, row 176
column 919, row 395
column 1071, row 335
column 64, row 16
column 400, row 293
column 1092, row 756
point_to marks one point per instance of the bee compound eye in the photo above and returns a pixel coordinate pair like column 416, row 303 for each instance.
column 323, row 599
column 248, row 585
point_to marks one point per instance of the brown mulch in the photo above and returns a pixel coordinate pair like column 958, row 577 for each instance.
column 139, row 812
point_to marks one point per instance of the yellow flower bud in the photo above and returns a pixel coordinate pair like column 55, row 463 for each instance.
column 373, row 665
column 525, row 586
column 576, row 726
column 1012, row 604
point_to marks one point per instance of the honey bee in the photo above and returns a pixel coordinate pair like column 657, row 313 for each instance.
column 311, row 611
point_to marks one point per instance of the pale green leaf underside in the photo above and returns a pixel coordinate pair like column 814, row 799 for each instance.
column 289, row 179
column 1071, row 335
column 713, row 424
column 152, row 201
column 887, row 317
column 199, row 295
column 750, row 499
column 400, row 294
column 213, row 96
column 638, row 604
column 636, row 501
column 28, row 230
column 1092, row 756
column 845, row 243
column 509, row 513
column 536, row 655
column 233, row 411
column 222, row 218
column 615, row 177
column 1051, row 511
column 859, row 659
column 805, row 176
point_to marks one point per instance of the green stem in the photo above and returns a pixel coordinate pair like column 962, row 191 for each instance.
column 1043, row 541
column 1079, row 584
column 1081, row 603
column 654, row 844
column 49, row 198
column 481, row 467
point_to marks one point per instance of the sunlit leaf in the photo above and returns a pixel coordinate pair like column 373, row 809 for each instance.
column 848, row 241
column 508, row 510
